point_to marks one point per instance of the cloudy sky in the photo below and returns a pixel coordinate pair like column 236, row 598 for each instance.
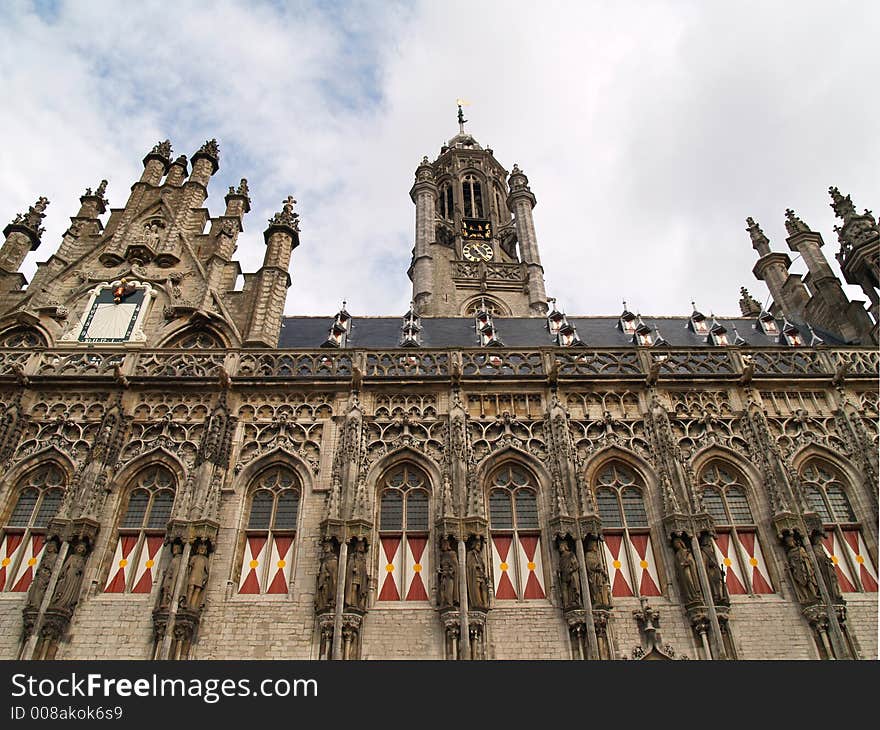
column 649, row 130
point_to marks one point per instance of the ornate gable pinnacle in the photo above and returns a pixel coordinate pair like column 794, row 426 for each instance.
column 843, row 206
column 760, row 242
column 98, row 195
column 211, row 152
column 287, row 216
column 31, row 220
column 793, row 224
column 162, row 149
column 748, row 305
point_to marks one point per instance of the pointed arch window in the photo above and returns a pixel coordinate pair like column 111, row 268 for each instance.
column 22, row 337
column 270, row 533
column 141, row 532
column 825, row 488
column 36, row 501
column 196, row 339
column 517, row 562
column 446, row 205
column 737, row 546
column 472, row 197
column 404, row 519
column 629, row 554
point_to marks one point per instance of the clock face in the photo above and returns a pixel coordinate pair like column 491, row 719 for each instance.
column 112, row 317
column 477, row 251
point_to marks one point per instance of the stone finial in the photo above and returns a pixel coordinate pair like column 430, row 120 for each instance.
column 287, row 217
column 243, row 188
column 182, row 161
column 34, row 217
column 210, row 148
column 760, row 242
column 163, row 149
column 843, row 206
column 99, row 194
column 793, row 224
column 748, row 305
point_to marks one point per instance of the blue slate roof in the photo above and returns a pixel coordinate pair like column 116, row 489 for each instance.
column 441, row 332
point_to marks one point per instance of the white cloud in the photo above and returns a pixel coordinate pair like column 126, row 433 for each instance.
column 649, row 131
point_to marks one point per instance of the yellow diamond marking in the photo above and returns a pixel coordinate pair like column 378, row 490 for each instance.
column 643, row 564
column 32, row 561
column 417, row 568
column 389, row 568
column 727, row 562
column 123, row 563
column 254, row 563
column 753, row 562
column 531, row 566
column 859, row 559
column 503, row 567
column 834, row 559
column 282, row 563
column 616, row 564
column 5, row 562
column 149, row 563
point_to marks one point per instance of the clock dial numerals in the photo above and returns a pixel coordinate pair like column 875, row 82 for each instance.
column 477, row 251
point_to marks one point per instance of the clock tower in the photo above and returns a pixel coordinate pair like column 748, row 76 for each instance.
column 475, row 240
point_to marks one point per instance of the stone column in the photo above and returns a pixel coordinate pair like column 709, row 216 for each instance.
column 521, row 202
column 424, row 195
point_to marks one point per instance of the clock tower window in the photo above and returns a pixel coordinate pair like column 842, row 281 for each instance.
column 446, row 205
column 472, row 194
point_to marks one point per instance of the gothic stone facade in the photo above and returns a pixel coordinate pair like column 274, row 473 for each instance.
column 189, row 474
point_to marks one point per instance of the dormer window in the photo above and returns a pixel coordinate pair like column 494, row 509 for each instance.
column 768, row 325
column 568, row 336
column 718, row 335
column 472, row 196
column 555, row 319
column 699, row 324
column 791, row 335
column 339, row 329
column 628, row 322
column 644, row 339
column 446, row 204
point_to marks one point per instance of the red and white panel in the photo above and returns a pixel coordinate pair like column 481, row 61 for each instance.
column 836, row 551
column 280, row 565
column 531, row 567
column 649, row 581
column 859, row 553
column 502, row 564
column 121, row 566
column 391, row 571
column 28, row 565
column 416, row 568
column 252, row 564
column 617, row 563
column 149, row 559
column 757, row 566
column 8, row 550
column 725, row 554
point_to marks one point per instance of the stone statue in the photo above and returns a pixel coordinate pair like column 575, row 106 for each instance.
column 569, row 576
column 475, row 565
column 686, row 567
column 829, row 574
column 714, row 571
column 325, row 594
column 801, row 571
column 600, row 587
column 447, row 580
column 356, row 584
column 197, row 577
column 169, row 577
column 69, row 581
column 44, row 572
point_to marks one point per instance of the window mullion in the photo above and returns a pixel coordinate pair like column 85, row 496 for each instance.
column 745, row 568
column 134, row 558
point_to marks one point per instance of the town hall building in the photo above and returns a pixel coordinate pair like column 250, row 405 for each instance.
column 189, row 473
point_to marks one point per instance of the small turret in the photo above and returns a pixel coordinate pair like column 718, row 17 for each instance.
column 23, row 234
column 156, row 163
